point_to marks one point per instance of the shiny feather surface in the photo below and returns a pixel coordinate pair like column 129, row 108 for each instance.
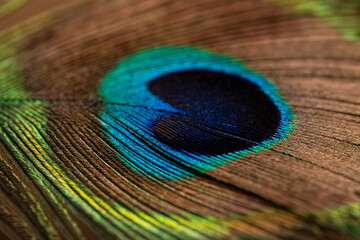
column 159, row 119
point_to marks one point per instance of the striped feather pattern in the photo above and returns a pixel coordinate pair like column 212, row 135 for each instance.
column 63, row 176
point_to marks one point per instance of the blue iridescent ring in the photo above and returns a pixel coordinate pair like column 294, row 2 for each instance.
column 174, row 112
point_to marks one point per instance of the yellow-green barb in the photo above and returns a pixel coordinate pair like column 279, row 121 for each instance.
column 8, row 6
column 45, row 168
column 342, row 14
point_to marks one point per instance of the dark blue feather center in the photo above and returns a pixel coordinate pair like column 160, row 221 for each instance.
column 220, row 112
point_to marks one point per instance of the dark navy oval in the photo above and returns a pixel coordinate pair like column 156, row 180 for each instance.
column 221, row 112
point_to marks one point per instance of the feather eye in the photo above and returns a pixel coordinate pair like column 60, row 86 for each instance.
column 135, row 119
column 175, row 111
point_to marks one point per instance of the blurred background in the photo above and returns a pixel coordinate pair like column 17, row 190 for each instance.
column 15, row 11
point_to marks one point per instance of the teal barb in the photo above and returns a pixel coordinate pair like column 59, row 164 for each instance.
column 175, row 112
column 179, row 142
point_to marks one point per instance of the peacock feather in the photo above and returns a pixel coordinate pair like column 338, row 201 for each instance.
column 8, row 6
column 159, row 119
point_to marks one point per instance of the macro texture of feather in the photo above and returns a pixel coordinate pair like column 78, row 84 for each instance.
column 80, row 159
column 8, row 6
